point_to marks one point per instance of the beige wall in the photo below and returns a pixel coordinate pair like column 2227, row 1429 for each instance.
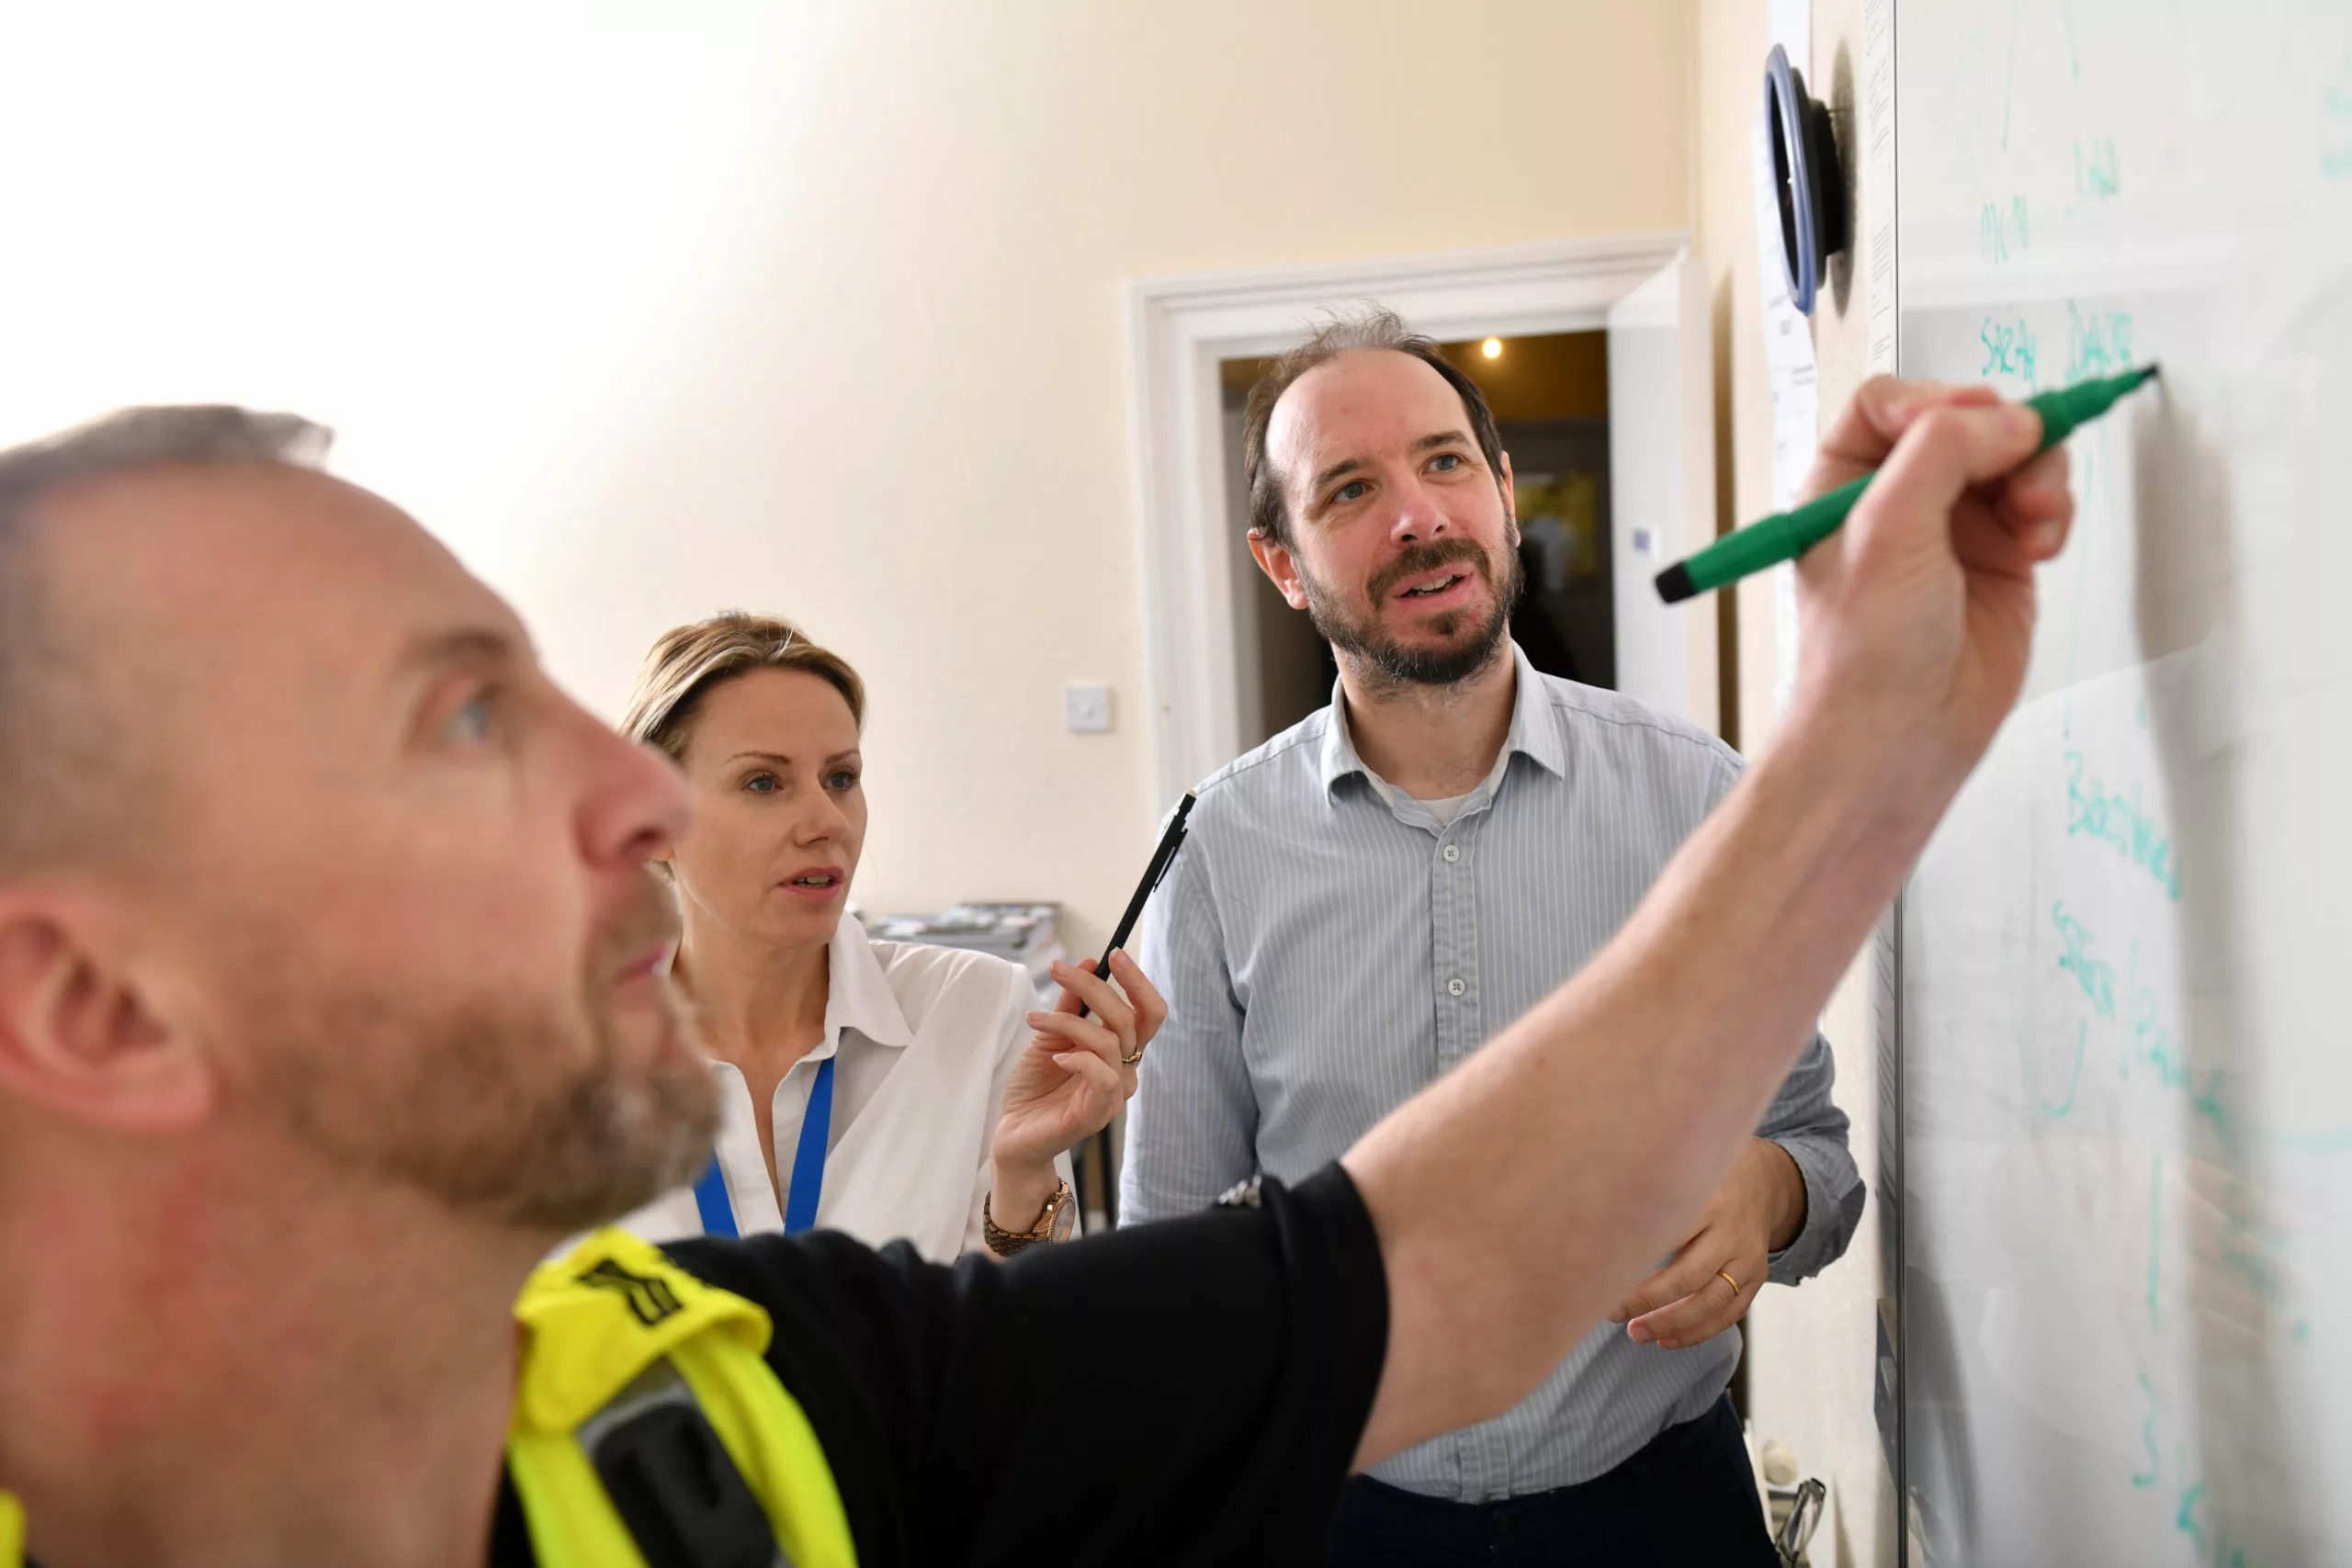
column 654, row 310
column 1811, row 1359
column 1731, row 44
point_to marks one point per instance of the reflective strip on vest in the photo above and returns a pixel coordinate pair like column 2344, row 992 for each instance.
column 594, row 1320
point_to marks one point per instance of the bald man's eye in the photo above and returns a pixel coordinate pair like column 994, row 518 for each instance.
column 1354, row 490
column 472, row 721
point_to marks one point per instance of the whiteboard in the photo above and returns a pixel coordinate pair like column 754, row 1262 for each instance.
column 2125, row 1315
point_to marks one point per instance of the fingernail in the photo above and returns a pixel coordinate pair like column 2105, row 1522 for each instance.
column 1669, row 1344
column 1038, row 1019
column 2020, row 423
column 1638, row 1334
column 2048, row 535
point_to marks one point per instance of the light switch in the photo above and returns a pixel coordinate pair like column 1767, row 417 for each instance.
column 1086, row 710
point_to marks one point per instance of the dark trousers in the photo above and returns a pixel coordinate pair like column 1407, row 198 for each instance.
column 1688, row 1498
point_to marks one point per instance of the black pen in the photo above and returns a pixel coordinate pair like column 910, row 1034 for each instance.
column 1161, row 859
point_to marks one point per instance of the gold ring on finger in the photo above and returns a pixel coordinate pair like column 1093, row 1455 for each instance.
column 1131, row 1061
column 1728, row 1280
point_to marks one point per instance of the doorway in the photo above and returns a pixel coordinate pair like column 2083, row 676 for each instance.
column 1549, row 393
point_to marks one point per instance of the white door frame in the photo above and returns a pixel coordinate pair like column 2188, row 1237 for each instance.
column 1182, row 327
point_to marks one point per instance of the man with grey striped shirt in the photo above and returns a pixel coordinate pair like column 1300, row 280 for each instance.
column 1368, row 896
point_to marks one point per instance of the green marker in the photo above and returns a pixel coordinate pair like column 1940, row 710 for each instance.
column 1788, row 535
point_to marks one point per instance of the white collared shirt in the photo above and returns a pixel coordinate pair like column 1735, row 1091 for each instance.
column 925, row 1039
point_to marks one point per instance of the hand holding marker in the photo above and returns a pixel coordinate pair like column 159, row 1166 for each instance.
column 1788, row 535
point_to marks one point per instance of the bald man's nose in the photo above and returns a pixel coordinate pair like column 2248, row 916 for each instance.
column 1418, row 514
column 638, row 805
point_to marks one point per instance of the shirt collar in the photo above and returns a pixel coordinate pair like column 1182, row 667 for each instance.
column 858, row 995
column 1534, row 733
column 1531, row 734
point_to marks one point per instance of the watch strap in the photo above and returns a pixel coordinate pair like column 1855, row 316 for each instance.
column 1005, row 1242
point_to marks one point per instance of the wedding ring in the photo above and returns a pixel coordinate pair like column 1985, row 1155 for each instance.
column 1728, row 1280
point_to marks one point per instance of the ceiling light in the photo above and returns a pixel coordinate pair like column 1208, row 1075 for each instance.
column 1492, row 348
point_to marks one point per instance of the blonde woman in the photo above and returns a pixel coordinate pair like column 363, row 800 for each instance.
column 882, row 1089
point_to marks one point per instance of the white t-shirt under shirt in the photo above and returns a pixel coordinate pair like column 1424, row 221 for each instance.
column 924, row 1040
column 1447, row 809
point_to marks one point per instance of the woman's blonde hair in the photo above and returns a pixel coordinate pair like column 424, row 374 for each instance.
column 687, row 664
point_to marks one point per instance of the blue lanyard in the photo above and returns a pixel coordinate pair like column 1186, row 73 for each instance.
column 807, row 1169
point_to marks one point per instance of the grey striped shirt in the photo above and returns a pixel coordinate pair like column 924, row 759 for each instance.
column 1328, row 952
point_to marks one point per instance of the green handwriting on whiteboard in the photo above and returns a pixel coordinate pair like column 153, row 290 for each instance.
column 2147, row 1478
column 2055, row 1106
column 2142, row 1039
column 2190, row 1511
column 2115, row 820
column 2097, row 174
column 2001, row 229
column 2099, row 342
column 2131, row 1017
column 2008, row 350
column 2155, row 1047
column 2254, row 1249
column 2336, row 104
column 2095, row 976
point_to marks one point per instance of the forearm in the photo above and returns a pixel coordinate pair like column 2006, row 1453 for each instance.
column 1520, row 1196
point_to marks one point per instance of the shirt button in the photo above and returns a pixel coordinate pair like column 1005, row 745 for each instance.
column 1454, row 986
column 1453, row 852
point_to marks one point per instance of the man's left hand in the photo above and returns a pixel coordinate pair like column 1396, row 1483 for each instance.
column 1759, row 1210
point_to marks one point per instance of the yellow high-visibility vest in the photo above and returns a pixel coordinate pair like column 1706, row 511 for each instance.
column 593, row 1324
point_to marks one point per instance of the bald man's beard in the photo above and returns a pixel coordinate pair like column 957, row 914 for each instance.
column 521, row 1114
column 1465, row 644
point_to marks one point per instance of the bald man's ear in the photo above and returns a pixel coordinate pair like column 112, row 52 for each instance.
column 79, row 1033
column 1274, row 560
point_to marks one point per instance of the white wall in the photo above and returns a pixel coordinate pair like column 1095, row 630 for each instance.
column 655, row 308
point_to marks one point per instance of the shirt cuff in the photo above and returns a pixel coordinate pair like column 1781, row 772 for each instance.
column 1833, row 1207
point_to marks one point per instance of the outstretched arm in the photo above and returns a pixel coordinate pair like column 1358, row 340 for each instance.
column 1517, row 1198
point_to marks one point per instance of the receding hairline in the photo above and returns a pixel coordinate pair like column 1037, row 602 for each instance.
column 1462, row 432
column 1365, row 327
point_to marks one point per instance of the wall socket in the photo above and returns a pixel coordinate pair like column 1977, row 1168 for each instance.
column 1086, row 710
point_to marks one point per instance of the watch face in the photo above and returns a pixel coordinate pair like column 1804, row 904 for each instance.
column 1065, row 1220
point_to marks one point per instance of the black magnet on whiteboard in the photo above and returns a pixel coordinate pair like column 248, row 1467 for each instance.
column 1805, row 173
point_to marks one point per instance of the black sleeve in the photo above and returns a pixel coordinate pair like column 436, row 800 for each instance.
column 1189, row 1392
